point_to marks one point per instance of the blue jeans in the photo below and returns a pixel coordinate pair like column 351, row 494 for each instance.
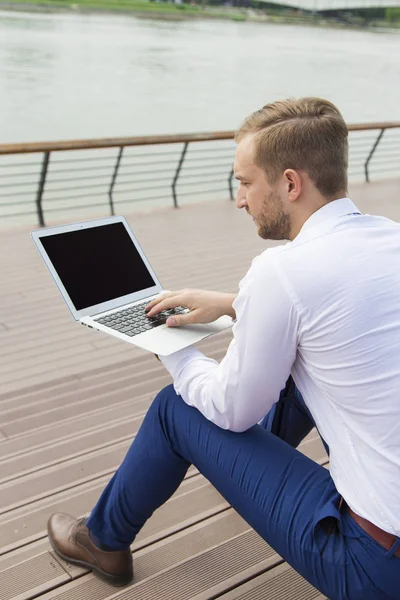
column 290, row 500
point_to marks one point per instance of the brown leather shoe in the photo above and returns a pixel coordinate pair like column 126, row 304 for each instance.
column 71, row 541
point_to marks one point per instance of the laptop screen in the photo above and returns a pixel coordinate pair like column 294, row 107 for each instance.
column 97, row 264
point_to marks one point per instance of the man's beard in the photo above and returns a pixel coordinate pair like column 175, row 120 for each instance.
column 273, row 223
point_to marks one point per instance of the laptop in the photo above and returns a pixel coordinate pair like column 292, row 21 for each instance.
column 107, row 281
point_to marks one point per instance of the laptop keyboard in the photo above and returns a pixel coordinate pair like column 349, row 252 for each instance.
column 132, row 321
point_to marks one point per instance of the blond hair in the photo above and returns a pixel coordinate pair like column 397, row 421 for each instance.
column 306, row 134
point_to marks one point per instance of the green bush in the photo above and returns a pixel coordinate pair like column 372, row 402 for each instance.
column 392, row 14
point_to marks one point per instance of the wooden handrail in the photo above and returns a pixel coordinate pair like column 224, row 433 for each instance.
column 367, row 126
column 149, row 140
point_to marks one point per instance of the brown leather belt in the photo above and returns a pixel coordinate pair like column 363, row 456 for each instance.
column 383, row 538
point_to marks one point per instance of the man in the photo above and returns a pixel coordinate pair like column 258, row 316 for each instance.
column 318, row 318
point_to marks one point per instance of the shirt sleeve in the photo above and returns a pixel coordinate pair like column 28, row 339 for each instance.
column 238, row 392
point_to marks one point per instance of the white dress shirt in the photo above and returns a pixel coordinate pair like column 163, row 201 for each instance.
column 324, row 308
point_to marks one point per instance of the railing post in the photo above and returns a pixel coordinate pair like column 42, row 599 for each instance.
column 114, row 177
column 178, row 170
column 42, row 182
column 230, row 184
column 374, row 147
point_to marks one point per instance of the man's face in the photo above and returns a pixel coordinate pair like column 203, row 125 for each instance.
column 261, row 200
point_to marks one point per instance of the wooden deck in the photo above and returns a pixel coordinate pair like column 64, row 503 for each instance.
column 72, row 399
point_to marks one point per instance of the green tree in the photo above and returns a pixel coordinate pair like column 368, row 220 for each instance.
column 392, row 14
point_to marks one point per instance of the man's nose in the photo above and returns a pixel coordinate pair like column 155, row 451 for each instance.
column 240, row 199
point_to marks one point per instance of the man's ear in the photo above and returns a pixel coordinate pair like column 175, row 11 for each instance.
column 293, row 184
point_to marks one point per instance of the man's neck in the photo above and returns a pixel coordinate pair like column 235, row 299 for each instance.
column 308, row 208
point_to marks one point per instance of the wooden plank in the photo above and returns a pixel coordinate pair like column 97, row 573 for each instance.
column 65, row 397
column 38, row 389
column 197, row 564
column 154, row 563
column 58, row 454
column 28, row 489
column 104, row 458
column 35, row 451
column 314, row 449
column 32, row 578
column 34, row 442
column 18, row 416
column 19, row 421
column 69, row 411
column 281, row 583
column 88, row 433
column 14, row 558
column 28, row 523
column 107, row 353
column 130, row 386
column 142, row 361
column 61, row 361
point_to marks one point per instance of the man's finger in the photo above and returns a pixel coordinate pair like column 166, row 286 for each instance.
column 159, row 299
column 171, row 302
column 185, row 319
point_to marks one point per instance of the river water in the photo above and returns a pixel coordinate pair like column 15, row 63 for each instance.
column 76, row 76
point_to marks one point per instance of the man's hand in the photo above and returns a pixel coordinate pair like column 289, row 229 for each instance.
column 204, row 306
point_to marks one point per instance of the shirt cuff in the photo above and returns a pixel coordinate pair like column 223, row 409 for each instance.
column 174, row 363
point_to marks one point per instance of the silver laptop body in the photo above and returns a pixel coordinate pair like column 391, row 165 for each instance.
column 106, row 281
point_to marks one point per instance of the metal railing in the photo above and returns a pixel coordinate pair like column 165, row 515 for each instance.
column 112, row 172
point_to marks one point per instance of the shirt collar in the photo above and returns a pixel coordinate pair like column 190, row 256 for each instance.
column 332, row 210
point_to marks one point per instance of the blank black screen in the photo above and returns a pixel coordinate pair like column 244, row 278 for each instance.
column 97, row 264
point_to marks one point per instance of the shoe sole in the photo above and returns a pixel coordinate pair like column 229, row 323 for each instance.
column 115, row 580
